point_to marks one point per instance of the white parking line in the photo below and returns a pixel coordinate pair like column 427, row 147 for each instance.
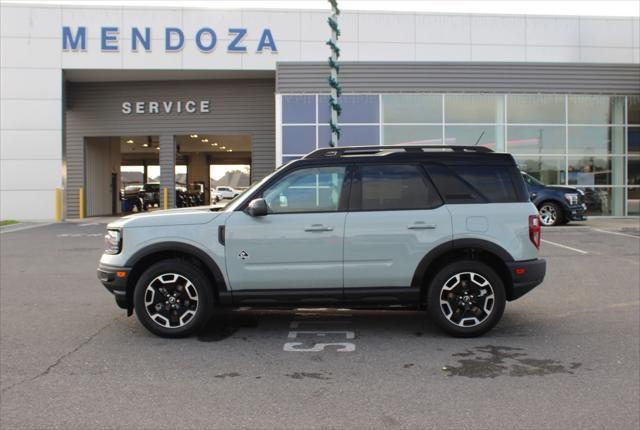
column 565, row 246
column 616, row 233
column 11, row 229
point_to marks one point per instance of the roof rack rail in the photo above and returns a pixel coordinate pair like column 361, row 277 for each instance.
column 376, row 149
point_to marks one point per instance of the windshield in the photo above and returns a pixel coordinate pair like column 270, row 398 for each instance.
column 531, row 180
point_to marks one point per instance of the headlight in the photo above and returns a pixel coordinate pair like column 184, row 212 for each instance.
column 572, row 199
column 113, row 242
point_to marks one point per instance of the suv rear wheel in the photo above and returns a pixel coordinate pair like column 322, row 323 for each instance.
column 173, row 298
column 466, row 298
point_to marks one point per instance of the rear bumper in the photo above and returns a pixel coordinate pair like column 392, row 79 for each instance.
column 112, row 279
column 526, row 275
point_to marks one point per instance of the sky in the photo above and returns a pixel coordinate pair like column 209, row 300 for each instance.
column 531, row 7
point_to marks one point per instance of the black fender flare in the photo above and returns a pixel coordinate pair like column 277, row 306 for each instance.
column 442, row 249
column 182, row 248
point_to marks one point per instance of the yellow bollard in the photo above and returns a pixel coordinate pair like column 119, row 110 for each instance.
column 58, row 205
column 166, row 198
column 81, row 203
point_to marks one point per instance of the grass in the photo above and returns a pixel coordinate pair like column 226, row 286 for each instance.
column 7, row 222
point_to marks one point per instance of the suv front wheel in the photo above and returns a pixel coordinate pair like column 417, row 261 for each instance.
column 466, row 298
column 551, row 214
column 173, row 298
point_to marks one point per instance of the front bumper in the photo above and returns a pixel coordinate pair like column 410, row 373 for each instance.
column 576, row 212
column 526, row 275
column 115, row 279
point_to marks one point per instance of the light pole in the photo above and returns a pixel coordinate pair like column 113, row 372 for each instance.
column 336, row 90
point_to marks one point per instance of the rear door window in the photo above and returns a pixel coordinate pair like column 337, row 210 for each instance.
column 394, row 187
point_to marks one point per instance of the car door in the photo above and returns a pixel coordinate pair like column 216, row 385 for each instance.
column 298, row 244
column 396, row 217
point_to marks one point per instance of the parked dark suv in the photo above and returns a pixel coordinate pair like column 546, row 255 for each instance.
column 557, row 205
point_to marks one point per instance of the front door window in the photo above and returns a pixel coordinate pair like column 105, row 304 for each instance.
column 316, row 189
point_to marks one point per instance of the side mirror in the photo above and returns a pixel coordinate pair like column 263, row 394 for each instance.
column 257, row 207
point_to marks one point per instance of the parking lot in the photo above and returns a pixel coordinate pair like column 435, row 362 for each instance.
column 565, row 356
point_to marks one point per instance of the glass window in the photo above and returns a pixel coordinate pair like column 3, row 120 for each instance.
column 596, row 140
column 495, row 183
column 412, row 134
column 299, row 109
column 536, row 139
column 633, row 201
column 474, row 108
column 350, row 135
column 596, row 170
column 530, row 180
column 490, row 136
column 633, row 109
column 453, row 188
column 535, row 109
column 393, row 187
column 287, row 159
column 550, row 170
column 633, row 170
column 355, row 109
column 306, row 190
column 298, row 139
column 595, row 110
column 633, row 140
column 604, row 201
column 411, row 108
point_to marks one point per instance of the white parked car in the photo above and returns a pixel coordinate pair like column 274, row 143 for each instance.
column 225, row 193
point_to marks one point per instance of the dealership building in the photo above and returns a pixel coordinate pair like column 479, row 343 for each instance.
column 91, row 94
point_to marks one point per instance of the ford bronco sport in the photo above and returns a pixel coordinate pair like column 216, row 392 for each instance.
column 448, row 229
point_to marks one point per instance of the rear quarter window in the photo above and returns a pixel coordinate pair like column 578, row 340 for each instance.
column 461, row 184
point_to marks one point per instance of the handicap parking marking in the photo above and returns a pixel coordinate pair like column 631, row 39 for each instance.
column 314, row 328
column 347, row 334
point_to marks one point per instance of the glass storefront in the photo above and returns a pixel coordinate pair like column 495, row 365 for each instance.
column 588, row 141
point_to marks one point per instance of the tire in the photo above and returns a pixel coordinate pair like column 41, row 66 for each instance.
column 454, row 311
column 550, row 214
column 188, row 294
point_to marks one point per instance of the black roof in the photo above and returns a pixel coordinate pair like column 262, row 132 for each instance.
column 446, row 154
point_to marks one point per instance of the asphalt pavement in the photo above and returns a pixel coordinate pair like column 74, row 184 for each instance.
column 567, row 355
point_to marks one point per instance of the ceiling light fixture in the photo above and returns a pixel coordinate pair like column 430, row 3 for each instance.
column 223, row 147
column 130, row 141
column 214, row 144
column 205, row 140
column 146, row 145
column 229, row 150
column 193, row 136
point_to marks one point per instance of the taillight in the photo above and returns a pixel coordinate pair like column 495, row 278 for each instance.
column 534, row 230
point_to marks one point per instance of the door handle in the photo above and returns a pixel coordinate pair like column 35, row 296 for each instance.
column 318, row 227
column 421, row 225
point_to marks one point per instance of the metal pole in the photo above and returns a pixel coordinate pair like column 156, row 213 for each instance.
column 58, row 205
column 335, row 69
column 81, row 197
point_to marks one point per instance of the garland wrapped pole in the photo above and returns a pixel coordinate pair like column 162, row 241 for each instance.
column 336, row 90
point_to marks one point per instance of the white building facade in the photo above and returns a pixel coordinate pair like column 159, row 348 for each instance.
column 74, row 79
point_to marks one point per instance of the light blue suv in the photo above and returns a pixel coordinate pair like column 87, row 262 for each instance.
column 448, row 229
